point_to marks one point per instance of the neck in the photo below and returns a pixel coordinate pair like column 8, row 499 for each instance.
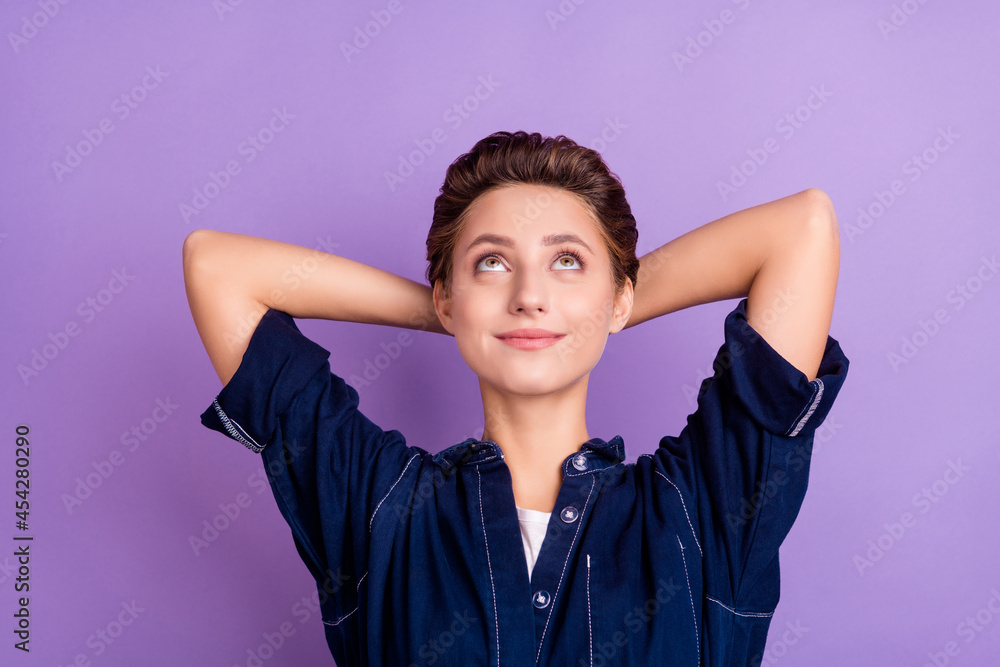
column 536, row 434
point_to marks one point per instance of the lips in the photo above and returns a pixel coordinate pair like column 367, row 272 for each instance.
column 530, row 339
column 530, row 333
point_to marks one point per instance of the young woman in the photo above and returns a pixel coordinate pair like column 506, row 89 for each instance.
column 537, row 545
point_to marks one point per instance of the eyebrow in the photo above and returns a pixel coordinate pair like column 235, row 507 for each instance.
column 507, row 242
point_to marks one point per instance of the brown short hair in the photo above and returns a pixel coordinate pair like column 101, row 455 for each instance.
column 505, row 159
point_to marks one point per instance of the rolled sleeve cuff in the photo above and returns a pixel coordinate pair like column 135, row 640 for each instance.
column 776, row 394
column 278, row 363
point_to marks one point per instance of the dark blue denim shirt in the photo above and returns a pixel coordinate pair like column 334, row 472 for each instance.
column 418, row 558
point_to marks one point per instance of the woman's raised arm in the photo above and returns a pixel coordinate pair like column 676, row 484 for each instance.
column 784, row 256
column 232, row 279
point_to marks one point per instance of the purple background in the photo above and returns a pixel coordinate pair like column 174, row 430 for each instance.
column 682, row 128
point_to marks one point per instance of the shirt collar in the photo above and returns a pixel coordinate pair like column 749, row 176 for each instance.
column 613, row 450
column 595, row 454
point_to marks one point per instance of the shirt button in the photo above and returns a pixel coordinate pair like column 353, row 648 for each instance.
column 569, row 514
column 541, row 599
column 580, row 462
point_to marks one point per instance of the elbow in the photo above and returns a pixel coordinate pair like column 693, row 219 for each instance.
column 193, row 249
column 819, row 219
column 818, row 208
column 191, row 241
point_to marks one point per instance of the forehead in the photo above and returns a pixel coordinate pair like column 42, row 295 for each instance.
column 526, row 213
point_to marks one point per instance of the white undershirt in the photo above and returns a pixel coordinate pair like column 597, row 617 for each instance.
column 533, row 527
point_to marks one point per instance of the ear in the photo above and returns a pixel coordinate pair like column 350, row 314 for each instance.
column 442, row 306
column 623, row 307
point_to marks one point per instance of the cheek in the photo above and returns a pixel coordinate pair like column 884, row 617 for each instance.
column 471, row 328
column 468, row 314
column 591, row 321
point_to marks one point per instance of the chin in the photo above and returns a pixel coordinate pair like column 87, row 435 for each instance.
column 522, row 386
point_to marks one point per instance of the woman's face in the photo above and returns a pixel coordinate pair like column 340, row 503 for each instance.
column 531, row 257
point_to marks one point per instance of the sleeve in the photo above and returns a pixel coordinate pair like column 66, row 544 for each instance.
column 744, row 456
column 328, row 464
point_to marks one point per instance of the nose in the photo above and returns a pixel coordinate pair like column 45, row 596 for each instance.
column 530, row 293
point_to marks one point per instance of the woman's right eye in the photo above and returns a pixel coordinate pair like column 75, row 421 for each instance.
column 489, row 256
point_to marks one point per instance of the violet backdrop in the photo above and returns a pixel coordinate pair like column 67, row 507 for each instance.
column 119, row 122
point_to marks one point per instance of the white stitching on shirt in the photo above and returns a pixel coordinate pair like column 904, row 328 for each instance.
column 390, row 491
column 358, row 591
column 489, row 565
column 749, row 614
column 812, row 407
column 590, row 630
column 231, row 427
column 342, row 618
column 337, row 622
column 563, row 573
column 694, row 616
column 805, row 408
column 684, row 507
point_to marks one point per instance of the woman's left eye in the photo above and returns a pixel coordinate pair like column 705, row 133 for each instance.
column 570, row 255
